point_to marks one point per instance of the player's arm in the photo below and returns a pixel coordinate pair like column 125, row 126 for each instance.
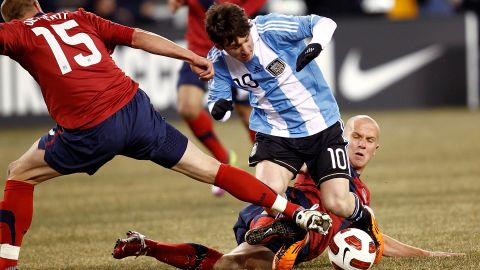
column 321, row 31
column 219, row 101
column 220, row 104
column 159, row 45
column 395, row 248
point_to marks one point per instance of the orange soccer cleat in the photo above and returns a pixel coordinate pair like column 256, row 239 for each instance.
column 285, row 258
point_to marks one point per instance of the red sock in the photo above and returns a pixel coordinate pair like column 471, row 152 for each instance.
column 252, row 134
column 202, row 127
column 16, row 212
column 183, row 256
column 247, row 188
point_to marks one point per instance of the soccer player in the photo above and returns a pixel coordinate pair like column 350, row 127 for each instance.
column 191, row 90
column 363, row 134
column 295, row 114
column 100, row 113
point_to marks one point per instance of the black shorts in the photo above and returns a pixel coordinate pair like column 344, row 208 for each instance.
column 325, row 153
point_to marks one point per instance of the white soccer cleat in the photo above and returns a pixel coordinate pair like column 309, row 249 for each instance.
column 311, row 219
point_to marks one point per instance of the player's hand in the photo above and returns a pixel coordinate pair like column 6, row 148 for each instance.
column 203, row 68
column 307, row 55
column 174, row 5
column 220, row 108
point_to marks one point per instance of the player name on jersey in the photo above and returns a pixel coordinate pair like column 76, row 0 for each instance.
column 51, row 17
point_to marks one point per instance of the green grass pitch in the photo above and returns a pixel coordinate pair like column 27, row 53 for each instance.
column 425, row 184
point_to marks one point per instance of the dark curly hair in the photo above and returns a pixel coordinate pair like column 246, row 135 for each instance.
column 225, row 22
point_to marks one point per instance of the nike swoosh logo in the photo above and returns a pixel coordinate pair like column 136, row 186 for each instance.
column 8, row 217
column 357, row 84
column 267, row 231
column 345, row 253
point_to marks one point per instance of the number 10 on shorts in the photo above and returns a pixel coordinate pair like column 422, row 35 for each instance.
column 338, row 158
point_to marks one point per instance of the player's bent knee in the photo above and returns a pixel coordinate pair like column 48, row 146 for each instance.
column 337, row 206
column 21, row 170
column 14, row 168
column 277, row 186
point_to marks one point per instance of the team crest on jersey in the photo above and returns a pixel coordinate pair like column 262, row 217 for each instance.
column 254, row 149
column 276, row 67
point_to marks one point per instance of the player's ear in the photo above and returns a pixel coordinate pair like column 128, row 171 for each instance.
column 37, row 6
column 376, row 148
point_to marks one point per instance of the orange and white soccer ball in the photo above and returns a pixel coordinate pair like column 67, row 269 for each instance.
column 352, row 249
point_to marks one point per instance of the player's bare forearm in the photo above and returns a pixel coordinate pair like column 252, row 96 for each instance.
column 156, row 44
column 395, row 248
column 153, row 43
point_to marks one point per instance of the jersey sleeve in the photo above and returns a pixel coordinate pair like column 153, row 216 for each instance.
column 296, row 28
column 220, row 85
column 111, row 33
column 7, row 39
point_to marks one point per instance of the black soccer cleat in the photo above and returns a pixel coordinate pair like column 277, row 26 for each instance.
column 279, row 228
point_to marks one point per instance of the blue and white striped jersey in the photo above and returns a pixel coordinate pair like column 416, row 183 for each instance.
column 285, row 103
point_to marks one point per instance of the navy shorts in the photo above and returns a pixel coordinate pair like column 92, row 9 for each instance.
column 187, row 76
column 324, row 153
column 136, row 131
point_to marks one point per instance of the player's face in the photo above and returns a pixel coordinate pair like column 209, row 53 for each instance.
column 241, row 49
column 362, row 143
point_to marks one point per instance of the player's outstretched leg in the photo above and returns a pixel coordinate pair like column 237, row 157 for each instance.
column 311, row 219
column 232, row 160
column 16, row 211
column 182, row 256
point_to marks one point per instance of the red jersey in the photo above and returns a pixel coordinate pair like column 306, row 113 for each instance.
column 196, row 35
column 68, row 54
column 318, row 242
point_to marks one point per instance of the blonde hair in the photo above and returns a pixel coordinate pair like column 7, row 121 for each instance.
column 349, row 126
column 16, row 9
